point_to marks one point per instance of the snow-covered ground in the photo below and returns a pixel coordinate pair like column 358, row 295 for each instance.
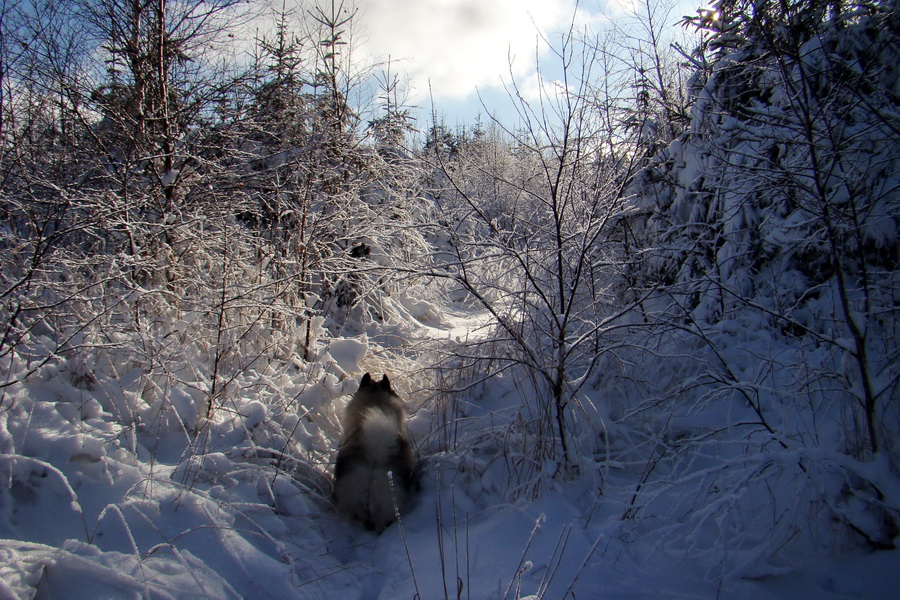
column 104, row 498
column 687, row 389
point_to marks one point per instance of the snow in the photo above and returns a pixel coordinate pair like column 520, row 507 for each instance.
column 348, row 353
column 88, row 509
column 78, row 570
column 718, row 452
column 460, row 325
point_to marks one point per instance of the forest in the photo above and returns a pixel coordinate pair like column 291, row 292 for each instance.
column 644, row 321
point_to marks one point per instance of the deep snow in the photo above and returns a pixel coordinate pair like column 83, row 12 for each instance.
column 95, row 506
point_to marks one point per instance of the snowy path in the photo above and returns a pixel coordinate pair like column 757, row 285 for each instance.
column 460, row 326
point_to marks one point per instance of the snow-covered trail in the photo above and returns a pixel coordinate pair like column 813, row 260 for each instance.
column 461, row 325
column 452, row 321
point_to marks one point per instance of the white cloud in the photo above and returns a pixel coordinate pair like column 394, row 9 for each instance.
column 457, row 46
column 452, row 49
column 534, row 88
column 621, row 7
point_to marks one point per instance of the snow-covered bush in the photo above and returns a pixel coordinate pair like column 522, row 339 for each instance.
column 767, row 227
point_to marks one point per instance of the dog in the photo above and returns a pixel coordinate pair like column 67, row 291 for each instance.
column 375, row 469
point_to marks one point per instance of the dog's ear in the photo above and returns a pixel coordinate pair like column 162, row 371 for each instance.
column 385, row 384
column 366, row 381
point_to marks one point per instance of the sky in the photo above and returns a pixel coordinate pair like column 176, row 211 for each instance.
column 455, row 55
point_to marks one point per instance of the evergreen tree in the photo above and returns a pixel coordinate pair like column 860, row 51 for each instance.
column 773, row 208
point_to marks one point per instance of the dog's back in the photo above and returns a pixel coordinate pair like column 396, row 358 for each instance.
column 374, row 445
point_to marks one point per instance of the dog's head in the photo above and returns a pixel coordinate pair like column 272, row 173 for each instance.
column 368, row 384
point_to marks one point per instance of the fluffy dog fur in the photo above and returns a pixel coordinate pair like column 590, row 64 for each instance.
column 373, row 445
